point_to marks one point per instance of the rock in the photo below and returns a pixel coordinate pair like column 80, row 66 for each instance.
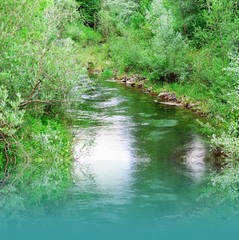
column 171, row 104
column 147, row 91
column 124, row 80
column 135, row 80
column 192, row 105
column 130, row 83
column 163, row 95
column 139, row 85
column 188, row 105
column 171, row 97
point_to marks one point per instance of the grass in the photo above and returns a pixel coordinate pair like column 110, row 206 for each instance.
column 96, row 54
column 43, row 172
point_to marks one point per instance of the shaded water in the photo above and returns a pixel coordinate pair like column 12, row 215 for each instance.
column 137, row 162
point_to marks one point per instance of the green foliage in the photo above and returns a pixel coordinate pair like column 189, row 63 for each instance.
column 89, row 11
column 137, row 20
column 130, row 57
column 115, row 15
column 37, row 64
column 39, row 72
column 219, row 31
column 193, row 46
column 233, row 68
column 153, row 47
column 82, row 34
column 10, row 116
column 107, row 74
column 47, row 164
column 43, row 171
column 187, row 14
column 120, row 10
column 168, row 48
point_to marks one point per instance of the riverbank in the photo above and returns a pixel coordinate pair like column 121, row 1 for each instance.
column 147, row 160
column 94, row 58
column 164, row 96
column 42, row 172
column 216, row 116
column 39, row 78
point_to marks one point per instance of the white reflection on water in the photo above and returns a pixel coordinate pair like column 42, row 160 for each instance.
column 109, row 159
column 113, row 102
column 195, row 159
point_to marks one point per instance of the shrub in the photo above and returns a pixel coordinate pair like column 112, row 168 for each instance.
column 39, row 70
column 128, row 53
column 82, row 34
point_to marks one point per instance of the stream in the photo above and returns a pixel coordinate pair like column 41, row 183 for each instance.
column 137, row 162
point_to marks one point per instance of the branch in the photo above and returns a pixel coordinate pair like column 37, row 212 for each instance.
column 25, row 103
column 36, row 85
column 7, row 159
column 6, row 148
column 21, row 20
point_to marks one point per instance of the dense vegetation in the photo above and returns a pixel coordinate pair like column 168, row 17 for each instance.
column 186, row 46
column 190, row 47
column 38, row 70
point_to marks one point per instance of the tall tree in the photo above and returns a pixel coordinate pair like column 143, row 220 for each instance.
column 89, row 11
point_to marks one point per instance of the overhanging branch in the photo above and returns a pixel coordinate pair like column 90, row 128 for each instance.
column 25, row 103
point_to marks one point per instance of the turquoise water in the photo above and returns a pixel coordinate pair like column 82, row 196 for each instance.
column 138, row 173
column 137, row 162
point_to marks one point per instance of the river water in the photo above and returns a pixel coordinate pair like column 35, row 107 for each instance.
column 137, row 161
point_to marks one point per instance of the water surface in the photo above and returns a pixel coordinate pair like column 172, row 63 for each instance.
column 137, row 162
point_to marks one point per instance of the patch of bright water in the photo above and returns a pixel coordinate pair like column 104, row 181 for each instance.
column 138, row 168
column 137, row 162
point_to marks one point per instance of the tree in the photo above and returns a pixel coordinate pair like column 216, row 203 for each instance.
column 115, row 15
column 167, row 45
column 221, row 17
column 38, row 68
column 187, row 14
column 89, row 11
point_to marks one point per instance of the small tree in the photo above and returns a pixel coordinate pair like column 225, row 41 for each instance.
column 89, row 11
column 115, row 14
column 167, row 46
column 38, row 68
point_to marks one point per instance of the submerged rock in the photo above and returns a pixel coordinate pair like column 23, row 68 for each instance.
column 171, row 104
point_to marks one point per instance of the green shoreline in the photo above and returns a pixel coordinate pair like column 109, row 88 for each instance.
column 187, row 97
column 223, row 183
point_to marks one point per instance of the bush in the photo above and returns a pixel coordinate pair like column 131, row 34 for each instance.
column 107, row 74
column 168, row 48
column 128, row 53
column 82, row 34
column 89, row 11
column 44, row 152
column 42, row 171
column 39, row 70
